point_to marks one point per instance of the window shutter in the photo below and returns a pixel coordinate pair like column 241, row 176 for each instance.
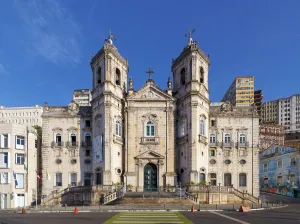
column 8, row 140
column 8, row 179
column 1, row 141
column 8, row 160
column 54, row 179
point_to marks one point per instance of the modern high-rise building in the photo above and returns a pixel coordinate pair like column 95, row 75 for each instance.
column 284, row 111
column 258, row 101
column 241, row 91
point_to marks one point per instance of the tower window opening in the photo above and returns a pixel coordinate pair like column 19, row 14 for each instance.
column 182, row 76
column 201, row 75
column 99, row 75
column 118, row 75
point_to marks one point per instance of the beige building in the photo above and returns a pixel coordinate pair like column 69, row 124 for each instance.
column 17, row 146
column 241, row 91
column 66, row 147
column 82, row 97
column 233, row 147
column 270, row 134
column 149, row 138
column 28, row 116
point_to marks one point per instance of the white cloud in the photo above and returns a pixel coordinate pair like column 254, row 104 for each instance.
column 3, row 70
column 50, row 30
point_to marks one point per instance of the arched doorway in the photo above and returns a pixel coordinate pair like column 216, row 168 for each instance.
column 150, row 177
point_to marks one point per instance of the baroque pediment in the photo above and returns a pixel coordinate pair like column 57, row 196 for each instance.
column 150, row 91
column 150, row 154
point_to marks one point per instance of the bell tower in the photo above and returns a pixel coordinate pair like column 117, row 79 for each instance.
column 190, row 74
column 109, row 80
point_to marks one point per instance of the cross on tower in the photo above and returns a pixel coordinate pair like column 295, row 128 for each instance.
column 111, row 36
column 150, row 71
column 189, row 33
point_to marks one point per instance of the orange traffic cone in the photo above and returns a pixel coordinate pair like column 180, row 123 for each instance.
column 192, row 210
column 23, row 211
column 75, row 210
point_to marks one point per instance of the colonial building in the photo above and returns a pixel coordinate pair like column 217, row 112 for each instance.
column 150, row 137
column 66, row 147
column 279, row 171
column 18, row 165
column 233, row 147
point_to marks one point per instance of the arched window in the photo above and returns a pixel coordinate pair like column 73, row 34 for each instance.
column 118, row 128
column 182, row 76
column 242, row 180
column 242, row 138
column 118, row 76
column 201, row 75
column 227, row 138
column 150, row 129
column 202, row 127
column 73, row 139
column 58, row 139
column 99, row 75
column 202, row 178
column 181, row 128
column 212, row 139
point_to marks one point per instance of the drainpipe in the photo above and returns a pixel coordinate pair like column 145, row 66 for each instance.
column 166, row 142
column 252, row 150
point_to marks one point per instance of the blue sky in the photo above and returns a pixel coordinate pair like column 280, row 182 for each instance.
column 45, row 45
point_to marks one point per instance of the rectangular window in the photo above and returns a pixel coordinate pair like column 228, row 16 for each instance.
column 4, row 160
column 87, row 152
column 293, row 161
column 20, row 180
column 87, row 179
column 279, row 164
column 19, row 158
column 73, row 179
column 213, row 179
column 58, row 179
column 4, row 178
column 212, row 123
column 279, row 180
column 5, row 140
column 87, row 123
column 212, row 152
column 20, row 142
column 265, row 166
column 242, row 180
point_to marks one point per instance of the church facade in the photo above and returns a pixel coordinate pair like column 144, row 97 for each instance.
column 150, row 138
column 139, row 134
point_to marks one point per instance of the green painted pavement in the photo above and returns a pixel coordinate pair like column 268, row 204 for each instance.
column 148, row 218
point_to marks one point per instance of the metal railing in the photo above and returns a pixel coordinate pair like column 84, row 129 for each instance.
column 57, row 144
column 86, row 143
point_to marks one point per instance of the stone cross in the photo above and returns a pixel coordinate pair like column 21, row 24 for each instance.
column 150, row 71
column 111, row 36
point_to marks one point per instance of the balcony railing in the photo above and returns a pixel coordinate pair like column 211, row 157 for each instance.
column 214, row 143
column 228, row 144
column 86, row 143
column 57, row 144
column 242, row 144
column 71, row 144
column 202, row 139
column 150, row 140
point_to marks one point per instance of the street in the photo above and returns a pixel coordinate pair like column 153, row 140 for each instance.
column 290, row 214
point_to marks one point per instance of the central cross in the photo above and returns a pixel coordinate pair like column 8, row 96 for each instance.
column 189, row 33
column 150, row 71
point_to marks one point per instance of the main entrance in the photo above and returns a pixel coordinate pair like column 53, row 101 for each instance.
column 150, row 177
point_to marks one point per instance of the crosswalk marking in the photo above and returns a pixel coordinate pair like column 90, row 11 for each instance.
column 148, row 217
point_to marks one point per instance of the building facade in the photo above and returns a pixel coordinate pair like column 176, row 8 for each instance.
column 18, row 182
column 150, row 137
column 66, row 147
column 233, row 147
column 279, row 171
column 241, row 91
column 270, row 134
column 284, row 111
column 258, row 101
column 82, row 97
column 28, row 116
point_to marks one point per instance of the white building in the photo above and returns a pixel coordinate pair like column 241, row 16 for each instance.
column 16, row 148
column 28, row 116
